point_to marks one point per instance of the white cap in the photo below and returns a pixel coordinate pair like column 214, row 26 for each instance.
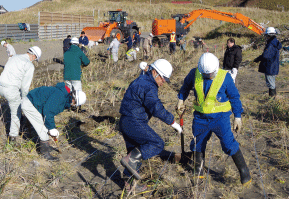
column 208, row 63
column 74, row 40
column 80, row 97
column 35, row 50
column 164, row 68
column 3, row 42
column 270, row 31
column 137, row 49
column 173, row 32
column 151, row 35
column 143, row 65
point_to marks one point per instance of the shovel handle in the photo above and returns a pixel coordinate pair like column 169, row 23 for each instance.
column 182, row 143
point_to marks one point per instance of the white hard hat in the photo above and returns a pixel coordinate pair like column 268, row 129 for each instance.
column 164, row 68
column 173, row 32
column 3, row 42
column 74, row 40
column 80, row 97
column 35, row 50
column 208, row 63
column 143, row 65
column 151, row 35
column 270, row 31
column 137, row 49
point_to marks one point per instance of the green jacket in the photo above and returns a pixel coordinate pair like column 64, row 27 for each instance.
column 73, row 58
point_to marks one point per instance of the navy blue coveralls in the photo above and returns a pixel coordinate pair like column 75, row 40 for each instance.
column 139, row 104
column 219, row 123
column 129, row 42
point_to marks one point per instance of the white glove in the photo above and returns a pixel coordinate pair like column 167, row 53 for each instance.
column 237, row 124
column 54, row 133
column 177, row 127
column 180, row 105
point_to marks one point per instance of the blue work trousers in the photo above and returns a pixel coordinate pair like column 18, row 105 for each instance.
column 138, row 133
column 203, row 128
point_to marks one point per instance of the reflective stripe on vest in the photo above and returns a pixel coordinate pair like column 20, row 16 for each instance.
column 173, row 38
column 210, row 104
column 129, row 51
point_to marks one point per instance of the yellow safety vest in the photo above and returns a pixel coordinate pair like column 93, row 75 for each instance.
column 129, row 51
column 210, row 104
column 173, row 38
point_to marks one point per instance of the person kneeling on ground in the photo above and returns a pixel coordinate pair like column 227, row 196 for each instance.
column 144, row 67
column 131, row 54
column 139, row 104
column 42, row 104
column 215, row 94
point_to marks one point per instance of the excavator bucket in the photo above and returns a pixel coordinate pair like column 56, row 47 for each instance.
column 95, row 33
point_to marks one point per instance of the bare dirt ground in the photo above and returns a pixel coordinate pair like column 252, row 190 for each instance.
column 92, row 147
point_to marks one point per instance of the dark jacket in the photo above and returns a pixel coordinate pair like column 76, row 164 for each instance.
column 83, row 40
column 141, row 101
column 232, row 57
column 270, row 57
column 136, row 39
column 66, row 44
column 227, row 92
column 50, row 101
column 129, row 42
column 73, row 58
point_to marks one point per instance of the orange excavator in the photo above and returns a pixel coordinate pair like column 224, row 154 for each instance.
column 180, row 23
column 117, row 24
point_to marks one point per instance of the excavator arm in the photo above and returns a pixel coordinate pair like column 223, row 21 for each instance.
column 237, row 18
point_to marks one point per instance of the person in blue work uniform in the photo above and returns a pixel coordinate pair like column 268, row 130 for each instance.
column 136, row 40
column 66, row 43
column 128, row 41
column 139, row 104
column 42, row 104
column 83, row 42
column 270, row 59
column 215, row 94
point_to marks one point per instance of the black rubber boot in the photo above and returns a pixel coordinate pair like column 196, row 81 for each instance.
column 242, row 167
column 272, row 92
column 45, row 151
column 199, row 164
column 13, row 141
column 131, row 162
column 81, row 110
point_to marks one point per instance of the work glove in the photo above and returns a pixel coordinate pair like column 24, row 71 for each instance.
column 54, row 133
column 177, row 127
column 237, row 124
column 180, row 105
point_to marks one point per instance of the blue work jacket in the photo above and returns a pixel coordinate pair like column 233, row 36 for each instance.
column 50, row 101
column 228, row 91
column 270, row 58
column 141, row 101
column 83, row 40
column 129, row 41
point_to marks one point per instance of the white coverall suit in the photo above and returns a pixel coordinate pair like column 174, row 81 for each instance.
column 16, row 76
column 114, row 46
column 10, row 51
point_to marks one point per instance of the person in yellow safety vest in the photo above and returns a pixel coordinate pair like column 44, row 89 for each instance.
column 131, row 54
column 215, row 94
column 173, row 43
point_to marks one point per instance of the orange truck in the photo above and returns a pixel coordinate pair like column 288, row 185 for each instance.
column 117, row 24
column 180, row 23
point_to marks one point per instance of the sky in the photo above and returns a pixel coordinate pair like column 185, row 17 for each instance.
column 14, row 5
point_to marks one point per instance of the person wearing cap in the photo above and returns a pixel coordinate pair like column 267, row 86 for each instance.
column 74, row 58
column 66, row 43
column 139, row 104
column 173, row 42
column 41, row 106
column 131, row 54
column 136, row 40
column 9, row 49
column 182, row 42
column 270, row 59
column 128, row 41
column 113, row 47
column 83, row 41
column 15, row 81
column 215, row 97
column 147, row 45
column 144, row 67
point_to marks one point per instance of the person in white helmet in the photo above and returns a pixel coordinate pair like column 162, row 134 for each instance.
column 131, row 54
column 270, row 59
column 9, row 49
column 147, row 45
column 113, row 47
column 139, row 104
column 15, row 81
column 74, row 58
column 41, row 106
column 173, row 41
column 144, row 67
column 216, row 96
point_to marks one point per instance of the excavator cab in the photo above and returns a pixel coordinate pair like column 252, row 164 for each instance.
column 117, row 16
